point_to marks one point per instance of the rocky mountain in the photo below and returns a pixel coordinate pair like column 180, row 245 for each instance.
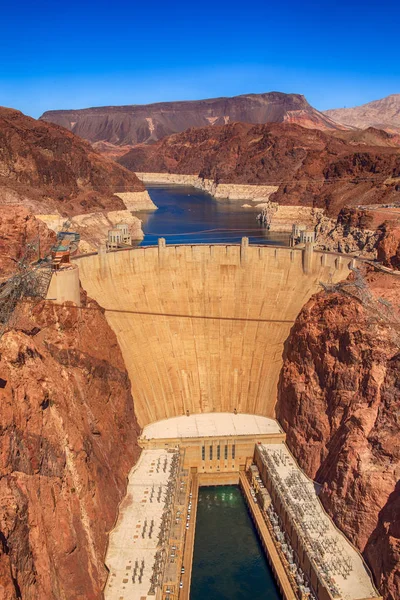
column 311, row 167
column 382, row 114
column 136, row 124
column 48, row 169
column 68, row 441
column 68, row 438
column 339, row 401
column 369, row 137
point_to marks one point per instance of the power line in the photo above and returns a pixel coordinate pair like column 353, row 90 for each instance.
column 186, row 316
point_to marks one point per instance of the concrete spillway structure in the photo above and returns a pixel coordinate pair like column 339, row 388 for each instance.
column 202, row 328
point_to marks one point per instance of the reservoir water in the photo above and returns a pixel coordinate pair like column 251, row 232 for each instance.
column 229, row 562
column 186, row 215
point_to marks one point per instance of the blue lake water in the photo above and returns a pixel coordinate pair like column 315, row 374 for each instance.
column 229, row 562
column 187, row 215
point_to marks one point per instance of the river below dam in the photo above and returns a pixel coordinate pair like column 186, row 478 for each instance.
column 229, row 562
column 186, row 215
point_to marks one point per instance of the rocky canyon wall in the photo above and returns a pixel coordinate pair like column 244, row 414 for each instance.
column 309, row 167
column 339, row 401
column 221, row 191
column 68, row 440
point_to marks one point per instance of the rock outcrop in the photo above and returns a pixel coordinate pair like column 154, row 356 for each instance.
column 388, row 247
column 309, row 167
column 93, row 227
column 46, row 167
column 68, row 441
column 49, row 171
column 339, row 401
column 68, row 438
column 109, row 126
column 350, row 233
column 19, row 232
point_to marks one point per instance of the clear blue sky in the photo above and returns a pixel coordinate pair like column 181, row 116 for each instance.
column 77, row 54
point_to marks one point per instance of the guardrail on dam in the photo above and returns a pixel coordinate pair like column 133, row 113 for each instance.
column 202, row 327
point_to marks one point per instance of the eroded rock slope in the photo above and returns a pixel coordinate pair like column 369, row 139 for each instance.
column 68, row 437
column 68, row 441
column 339, row 401
column 47, row 168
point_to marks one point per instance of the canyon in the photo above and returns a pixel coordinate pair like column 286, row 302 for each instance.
column 309, row 167
column 337, row 386
column 170, row 330
column 164, row 309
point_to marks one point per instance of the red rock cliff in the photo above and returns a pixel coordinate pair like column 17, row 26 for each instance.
column 339, row 401
column 47, row 168
column 68, row 440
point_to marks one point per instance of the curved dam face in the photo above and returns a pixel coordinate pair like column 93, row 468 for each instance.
column 202, row 328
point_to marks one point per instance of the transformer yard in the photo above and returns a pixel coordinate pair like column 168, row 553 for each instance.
column 146, row 545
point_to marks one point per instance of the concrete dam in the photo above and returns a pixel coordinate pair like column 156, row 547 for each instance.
column 202, row 328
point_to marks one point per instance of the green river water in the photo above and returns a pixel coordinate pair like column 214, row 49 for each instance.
column 229, row 562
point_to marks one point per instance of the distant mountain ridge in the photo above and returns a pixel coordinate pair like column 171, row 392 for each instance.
column 147, row 123
column 381, row 114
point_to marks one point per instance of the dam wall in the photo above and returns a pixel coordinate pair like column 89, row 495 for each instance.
column 202, row 327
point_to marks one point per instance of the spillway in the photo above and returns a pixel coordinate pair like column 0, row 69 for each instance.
column 202, row 328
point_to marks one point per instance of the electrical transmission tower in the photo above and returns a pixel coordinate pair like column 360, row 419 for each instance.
column 30, row 280
column 380, row 310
